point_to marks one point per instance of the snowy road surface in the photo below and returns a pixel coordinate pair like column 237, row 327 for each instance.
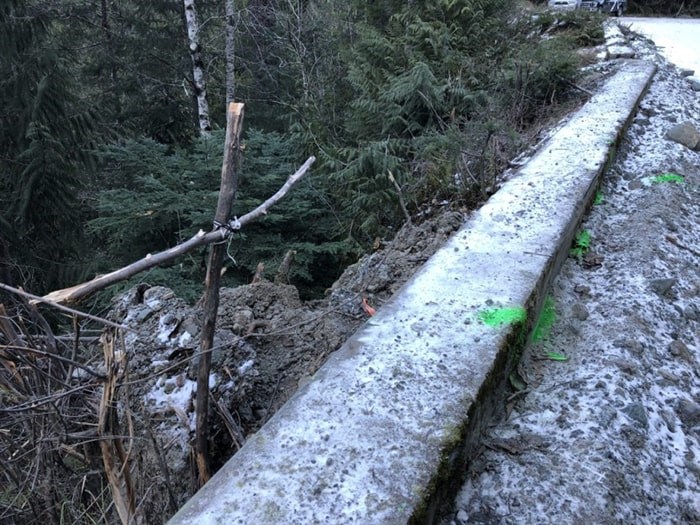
column 605, row 428
column 678, row 39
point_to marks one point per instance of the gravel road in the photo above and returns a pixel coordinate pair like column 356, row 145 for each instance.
column 612, row 433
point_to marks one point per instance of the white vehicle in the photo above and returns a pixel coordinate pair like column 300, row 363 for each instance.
column 564, row 4
column 613, row 7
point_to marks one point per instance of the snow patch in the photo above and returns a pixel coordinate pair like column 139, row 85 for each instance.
column 246, row 366
column 173, row 392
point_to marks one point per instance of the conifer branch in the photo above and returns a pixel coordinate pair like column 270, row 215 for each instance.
column 80, row 291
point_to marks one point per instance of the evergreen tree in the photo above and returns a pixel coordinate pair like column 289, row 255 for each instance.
column 438, row 93
column 141, row 68
column 415, row 80
column 160, row 195
column 45, row 143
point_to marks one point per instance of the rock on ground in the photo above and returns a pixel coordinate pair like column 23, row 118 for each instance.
column 685, row 134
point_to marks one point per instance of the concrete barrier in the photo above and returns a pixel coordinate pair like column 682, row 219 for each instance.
column 385, row 428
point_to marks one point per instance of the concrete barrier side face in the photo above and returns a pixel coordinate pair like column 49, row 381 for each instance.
column 462, row 442
column 461, row 445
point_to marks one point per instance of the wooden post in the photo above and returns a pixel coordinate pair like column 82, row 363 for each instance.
column 227, row 194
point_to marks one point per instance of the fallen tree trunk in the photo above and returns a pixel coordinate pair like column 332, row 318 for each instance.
column 219, row 233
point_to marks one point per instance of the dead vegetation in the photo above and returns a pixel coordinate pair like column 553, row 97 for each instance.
column 54, row 412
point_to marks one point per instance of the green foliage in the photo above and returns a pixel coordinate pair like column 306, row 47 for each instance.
column 134, row 62
column 580, row 27
column 144, row 53
column 439, row 92
column 537, row 76
column 303, row 221
column 291, row 65
column 176, row 197
column 157, row 195
column 45, row 143
column 402, row 94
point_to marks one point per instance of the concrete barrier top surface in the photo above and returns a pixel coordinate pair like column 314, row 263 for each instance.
column 367, row 440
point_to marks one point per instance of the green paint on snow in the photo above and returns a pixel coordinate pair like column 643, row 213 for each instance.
column 501, row 316
column 599, row 198
column 582, row 244
column 556, row 356
column 668, row 177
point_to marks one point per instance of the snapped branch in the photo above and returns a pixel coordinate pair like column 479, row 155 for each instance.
column 80, row 291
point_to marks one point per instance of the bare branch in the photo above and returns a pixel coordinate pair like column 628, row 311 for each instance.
column 47, row 300
column 400, row 194
column 80, row 291
column 262, row 209
column 43, row 353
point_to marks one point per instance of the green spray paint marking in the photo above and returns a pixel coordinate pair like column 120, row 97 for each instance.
column 501, row 316
column 582, row 244
column 556, row 356
column 668, row 177
column 599, row 198
column 544, row 323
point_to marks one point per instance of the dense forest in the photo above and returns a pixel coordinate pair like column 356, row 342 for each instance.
column 104, row 158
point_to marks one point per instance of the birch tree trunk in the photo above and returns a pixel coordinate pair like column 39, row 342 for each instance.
column 198, row 80
column 230, row 49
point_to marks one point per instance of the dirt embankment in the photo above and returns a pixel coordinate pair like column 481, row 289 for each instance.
column 267, row 343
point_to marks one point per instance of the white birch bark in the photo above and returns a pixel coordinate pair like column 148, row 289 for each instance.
column 200, row 87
